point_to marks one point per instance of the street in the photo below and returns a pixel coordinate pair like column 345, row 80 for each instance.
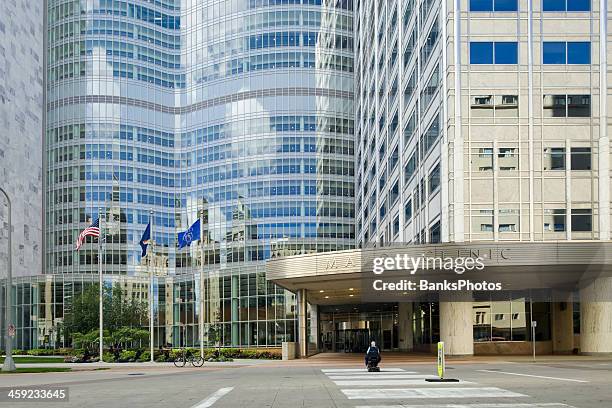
column 330, row 381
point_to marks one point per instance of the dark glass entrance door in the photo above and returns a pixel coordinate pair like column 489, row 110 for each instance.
column 352, row 340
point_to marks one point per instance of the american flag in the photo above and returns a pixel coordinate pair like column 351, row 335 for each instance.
column 93, row 230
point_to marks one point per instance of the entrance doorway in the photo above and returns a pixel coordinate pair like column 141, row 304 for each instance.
column 352, row 340
column 351, row 328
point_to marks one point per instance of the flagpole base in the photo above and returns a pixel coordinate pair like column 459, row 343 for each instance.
column 9, row 364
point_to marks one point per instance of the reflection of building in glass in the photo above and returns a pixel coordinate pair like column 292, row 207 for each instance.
column 261, row 317
column 242, row 118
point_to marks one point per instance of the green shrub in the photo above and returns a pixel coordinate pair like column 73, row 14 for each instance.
column 41, row 352
column 159, row 357
column 173, row 354
column 78, row 358
column 70, row 359
column 127, row 356
column 144, row 356
column 108, row 357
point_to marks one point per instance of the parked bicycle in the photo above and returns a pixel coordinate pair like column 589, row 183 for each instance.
column 188, row 357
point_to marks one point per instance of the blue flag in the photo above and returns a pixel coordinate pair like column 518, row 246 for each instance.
column 146, row 239
column 187, row 237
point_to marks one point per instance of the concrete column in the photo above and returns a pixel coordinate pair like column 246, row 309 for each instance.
column 563, row 327
column 456, row 325
column 405, row 326
column 314, row 328
column 596, row 317
column 302, row 323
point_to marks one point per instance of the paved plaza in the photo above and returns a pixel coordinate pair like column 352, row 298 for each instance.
column 337, row 381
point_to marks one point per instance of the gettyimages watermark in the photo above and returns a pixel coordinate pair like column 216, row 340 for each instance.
column 410, row 265
column 541, row 271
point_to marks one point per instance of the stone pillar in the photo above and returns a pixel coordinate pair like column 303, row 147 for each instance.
column 302, row 323
column 596, row 317
column 405, row 326
column 563, row 327
column 314, row 329
column 456, row 324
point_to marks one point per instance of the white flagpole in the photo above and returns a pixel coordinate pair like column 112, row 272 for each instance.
column 202, row 284
column 101, row 295
column 151, row 288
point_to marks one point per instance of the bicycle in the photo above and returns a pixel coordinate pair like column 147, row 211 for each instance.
column 188, row 357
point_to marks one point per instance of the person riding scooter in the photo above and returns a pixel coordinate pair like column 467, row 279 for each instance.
column 372, row 357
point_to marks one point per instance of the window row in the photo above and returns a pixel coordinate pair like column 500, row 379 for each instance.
column 547, row 5
column 555, row 220
column 553, row 52
column 507, row 159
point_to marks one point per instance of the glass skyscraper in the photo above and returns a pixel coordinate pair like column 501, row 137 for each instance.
column 237, row 112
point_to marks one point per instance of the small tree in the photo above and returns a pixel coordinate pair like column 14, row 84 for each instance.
column 127, row 337
column 214, row 332
column 120, row 312
column 87, row 341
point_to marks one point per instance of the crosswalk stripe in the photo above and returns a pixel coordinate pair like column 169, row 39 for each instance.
column 494, row 405
column 379, row 376
column 379, row 383
column 358, row 370
column 398, row 393
column 534, row 376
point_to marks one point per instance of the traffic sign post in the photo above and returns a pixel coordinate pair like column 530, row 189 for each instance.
column 441, row 361
column 441, row 367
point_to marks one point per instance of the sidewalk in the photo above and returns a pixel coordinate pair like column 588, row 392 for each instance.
column 399, row 358
column 144, row 365
column 342, row 359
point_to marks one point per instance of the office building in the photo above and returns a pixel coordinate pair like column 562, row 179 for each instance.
column 21, row 120
column 313, row 139
column 481, row 130
column 239, row 113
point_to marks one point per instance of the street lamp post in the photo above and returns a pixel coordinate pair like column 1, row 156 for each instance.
column 9, row 364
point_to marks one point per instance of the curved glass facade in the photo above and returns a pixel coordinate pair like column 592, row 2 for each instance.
column 238, row 112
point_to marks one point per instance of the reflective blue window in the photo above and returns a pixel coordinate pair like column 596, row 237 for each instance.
column 553, row 52
column 578, row 5
column 578, row 52
column 493, row 5
column 557, row 52
column 481, row 5
column 506, row 53
column 493, row 53
column 506, row 5
column 566, row 5
column 481, row 53
column 553, row 5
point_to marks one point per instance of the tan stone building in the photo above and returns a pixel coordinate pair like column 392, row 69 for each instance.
column 478, row 122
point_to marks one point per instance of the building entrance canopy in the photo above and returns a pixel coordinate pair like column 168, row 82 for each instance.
column 546, row 271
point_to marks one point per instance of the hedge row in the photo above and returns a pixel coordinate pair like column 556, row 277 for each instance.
column 76, row 355
column 44, row 352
